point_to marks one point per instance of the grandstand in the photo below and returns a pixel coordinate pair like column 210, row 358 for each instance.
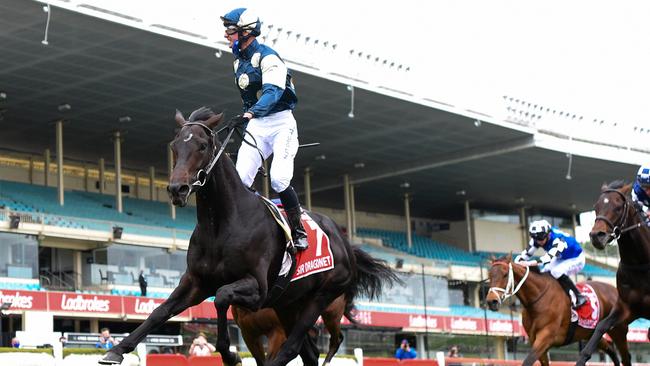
column 413, row 181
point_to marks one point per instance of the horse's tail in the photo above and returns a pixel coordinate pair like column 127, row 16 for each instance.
column 372, row 273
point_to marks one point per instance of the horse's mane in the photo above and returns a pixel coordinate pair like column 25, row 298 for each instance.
column 505, row 259
column 201, row 114
column 617, row 184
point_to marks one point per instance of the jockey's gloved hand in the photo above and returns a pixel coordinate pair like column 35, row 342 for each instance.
column 238, row 121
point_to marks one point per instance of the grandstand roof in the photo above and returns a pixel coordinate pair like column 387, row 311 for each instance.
column 105, row 70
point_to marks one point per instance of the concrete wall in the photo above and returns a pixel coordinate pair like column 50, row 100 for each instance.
column 493, row 236
column 456, row 235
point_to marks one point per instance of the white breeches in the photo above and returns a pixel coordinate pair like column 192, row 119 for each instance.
column 567, row 267
column 275, row 134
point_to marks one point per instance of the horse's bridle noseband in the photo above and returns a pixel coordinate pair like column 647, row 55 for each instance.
column 617, row 230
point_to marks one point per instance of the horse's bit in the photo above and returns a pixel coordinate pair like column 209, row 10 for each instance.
column 511, row 289
column 616, row 229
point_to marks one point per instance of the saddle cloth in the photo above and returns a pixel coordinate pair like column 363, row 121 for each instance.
column 588, row 314
column 317, row 258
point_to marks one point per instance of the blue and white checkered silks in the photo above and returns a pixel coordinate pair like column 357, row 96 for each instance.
column 643, row 175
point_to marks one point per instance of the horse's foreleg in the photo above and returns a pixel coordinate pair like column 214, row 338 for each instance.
column 543, row 359
column 543, row 341
column 185, row 295
column 615, row 317
column 244, row 292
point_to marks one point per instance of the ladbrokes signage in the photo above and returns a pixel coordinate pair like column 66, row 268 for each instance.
column 78, row 303
column 24, row 300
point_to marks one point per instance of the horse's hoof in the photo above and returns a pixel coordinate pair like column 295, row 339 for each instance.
column 111, row 358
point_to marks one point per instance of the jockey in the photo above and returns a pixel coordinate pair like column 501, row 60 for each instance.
column 641, row 193
column 269, row 98
column 564, row 256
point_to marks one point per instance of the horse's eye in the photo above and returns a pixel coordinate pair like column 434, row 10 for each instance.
column 203, row 146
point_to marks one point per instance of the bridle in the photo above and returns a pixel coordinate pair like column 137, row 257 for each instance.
column 617, row 230
column 511, row 289
column 203, row 173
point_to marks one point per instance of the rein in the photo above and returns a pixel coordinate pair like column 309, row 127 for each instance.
column 511, row 289
column 616, row 229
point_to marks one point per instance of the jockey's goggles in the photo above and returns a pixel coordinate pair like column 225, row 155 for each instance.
column 231, row 29
column 538, row 236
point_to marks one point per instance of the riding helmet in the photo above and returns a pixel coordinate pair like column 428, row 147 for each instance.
column 643, row 175
column 244, row 20
column 539, row 229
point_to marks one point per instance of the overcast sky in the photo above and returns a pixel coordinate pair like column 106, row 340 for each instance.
column 585, row 57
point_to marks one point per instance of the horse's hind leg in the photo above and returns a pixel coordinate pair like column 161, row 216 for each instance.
column 185, row 295
column 617, row 316
column 332, row 320
column 608, row 348
column 244, row 292
column 619, row 337
column 306, row 319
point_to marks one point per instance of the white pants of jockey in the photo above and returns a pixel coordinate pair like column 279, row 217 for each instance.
column 275, row 134
column 567, row 267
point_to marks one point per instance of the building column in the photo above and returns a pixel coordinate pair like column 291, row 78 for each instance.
column 574, row 223
column 346, row 200
column 94, row 325
column 170, row 168
column 86, row 176
column 353, row 212
column 137, row 185
column 468, row 220
column 500, row 347
column 407, row 216
column 117, row 141
column 31, row 170
column 78, row 268
column 152, row 183
column 524, row 227
column 307, row 177
column 102, row 175
column 59, row 161
column 46, row 167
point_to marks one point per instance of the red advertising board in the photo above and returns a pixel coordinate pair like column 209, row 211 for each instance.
column 84, row 303
column 143, row 306
column 24, row 300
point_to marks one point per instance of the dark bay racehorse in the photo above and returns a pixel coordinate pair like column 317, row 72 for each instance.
column 236, row 250
column 265, row 322
column 617, row 218
column 546, row 315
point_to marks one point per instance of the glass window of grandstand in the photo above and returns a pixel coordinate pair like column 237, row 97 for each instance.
column 120, row 264
column 18, row 256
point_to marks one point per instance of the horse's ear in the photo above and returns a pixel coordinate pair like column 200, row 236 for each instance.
column 509, row 257
column 492, row 258
column 179, row 118
column 603, row 187
column 213, row 121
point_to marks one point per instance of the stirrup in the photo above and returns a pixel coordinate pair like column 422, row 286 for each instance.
column 580, row 301
column 300, row 241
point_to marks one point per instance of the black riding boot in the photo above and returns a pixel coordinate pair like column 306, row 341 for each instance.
column 291, row 206
column 567, row 285
column 298, row 233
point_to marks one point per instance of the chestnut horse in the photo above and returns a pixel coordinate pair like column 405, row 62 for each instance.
column 617, row 218
column 265, row 322
column 546, row 316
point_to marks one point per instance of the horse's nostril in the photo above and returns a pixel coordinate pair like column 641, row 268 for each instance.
column 184, row 189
